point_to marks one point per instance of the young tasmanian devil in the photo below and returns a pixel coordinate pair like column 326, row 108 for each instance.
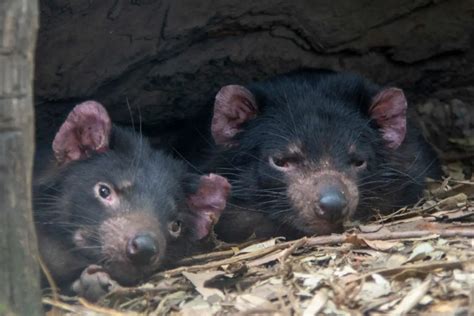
column 306, row 150
column 112, row 208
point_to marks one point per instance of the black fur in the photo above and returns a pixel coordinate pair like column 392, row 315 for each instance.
column 64, row 201
column 325, row 111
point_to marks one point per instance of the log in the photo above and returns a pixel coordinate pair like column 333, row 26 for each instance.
column 19, row 273
column 165, row 59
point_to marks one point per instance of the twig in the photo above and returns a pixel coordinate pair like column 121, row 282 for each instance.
column 103, row 310
column 299, row 243
column 77, row 310
column 412, row 298
column 230, row 250
column 328, row 240
column 429, row 266
column 231, row 260
column 49, row 278
column 441, row 232
column 203, row 257
column 60, row 305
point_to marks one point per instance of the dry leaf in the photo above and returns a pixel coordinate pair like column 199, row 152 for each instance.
column 317, row 303
column 247, row 302
column 262, row 245
column 455, row 170
column 412, row 298
column 420, row 251
column 372, row 290
column 266, row 259
column 453, row 201
column 198, row 280
column 269, row 290
column 197, row 306
column 382, row 245
column 310, row 281
column 345, row 271
column 395, row 260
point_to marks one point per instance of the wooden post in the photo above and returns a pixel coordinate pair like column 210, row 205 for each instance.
column 19, row 273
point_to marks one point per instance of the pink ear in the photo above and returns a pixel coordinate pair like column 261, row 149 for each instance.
column 389, row 109
column 86, row 130
column 208, row 202
column 233, row 106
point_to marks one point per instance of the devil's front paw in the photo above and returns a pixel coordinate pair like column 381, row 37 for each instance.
column 93, row 283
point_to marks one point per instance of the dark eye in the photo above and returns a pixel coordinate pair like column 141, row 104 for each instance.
column 358, row 163
column 282, row 162
column 175, row 227
column 104, row 191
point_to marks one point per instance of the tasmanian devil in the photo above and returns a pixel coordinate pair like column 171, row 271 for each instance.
column 307, row 150
column 109, row 207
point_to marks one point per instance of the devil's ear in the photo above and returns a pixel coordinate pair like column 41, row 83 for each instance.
column 207, row 202
column 85, row 130
column 389, row 109
column 234, row 105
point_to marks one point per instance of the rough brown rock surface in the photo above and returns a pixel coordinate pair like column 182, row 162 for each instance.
column 167, row 58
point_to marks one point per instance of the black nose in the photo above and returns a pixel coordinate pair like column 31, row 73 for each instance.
column 332, row 204
column 141, row 249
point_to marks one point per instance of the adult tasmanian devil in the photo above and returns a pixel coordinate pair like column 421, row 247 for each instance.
column 307, row 150
column 108, row 207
